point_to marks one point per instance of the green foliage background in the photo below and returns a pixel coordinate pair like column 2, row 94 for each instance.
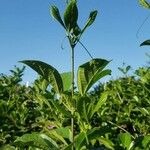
column 125, row 112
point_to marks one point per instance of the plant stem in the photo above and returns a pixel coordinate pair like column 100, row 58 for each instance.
column 72, row 93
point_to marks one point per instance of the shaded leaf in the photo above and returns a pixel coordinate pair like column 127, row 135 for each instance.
column 61, row 108
column 56, row 15
column 71, row 15
column 90, row 20
column 82, row 107
column 97, row 132
column 145, row 43
column 48, row 72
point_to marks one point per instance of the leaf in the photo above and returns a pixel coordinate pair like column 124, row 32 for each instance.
column 107, row 143
column 56, row 15
column 82, row 106
column 64, row 132
column 97, row 132
column 66, row 78
column 145, row 43
column 7, row 147
column 48, row 72
column 90, row 20
column 60, row 134
column 128, row 68
column 61, row 108
column 125, row 139
column 71, row 15
column 90, row 72
column 144, row 3
column 146, row 141
column 41, row 141
column 101, row 101
column 80, row 140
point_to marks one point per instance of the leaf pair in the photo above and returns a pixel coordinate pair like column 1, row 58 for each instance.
column 88, row 74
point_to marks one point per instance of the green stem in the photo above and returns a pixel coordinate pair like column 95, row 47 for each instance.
column 72, row 93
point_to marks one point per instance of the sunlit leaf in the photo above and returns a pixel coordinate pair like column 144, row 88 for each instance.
column 126, row 140
column 36, row 140
column 146, row 141
column 61, row 134
column 80, row 140
column 144, row 3
column 100, row 102
column 108, row 143
column 90, row 72
column 66, row 78
column 7, row 147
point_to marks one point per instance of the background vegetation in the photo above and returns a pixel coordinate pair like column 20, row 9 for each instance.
column 55, row 112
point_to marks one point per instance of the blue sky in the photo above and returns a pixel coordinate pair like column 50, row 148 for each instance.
column 27, row 31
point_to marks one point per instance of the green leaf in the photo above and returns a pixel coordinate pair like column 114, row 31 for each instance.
column 80, row 140
column 90, row 72
column 56, row 15
column 66, row 78
column 126, row 140
column 107, row 143
column 82, row 107
column 146, row 141
column 71, row 15
column 61, row 134
column 48, row 72
column 64, row 132
column 97, row 132
column 145, row 43
column 41, row 141
column 61, row 108
column 144, row 3
column 101, row 101
column 90, row 20
column 7, row 147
